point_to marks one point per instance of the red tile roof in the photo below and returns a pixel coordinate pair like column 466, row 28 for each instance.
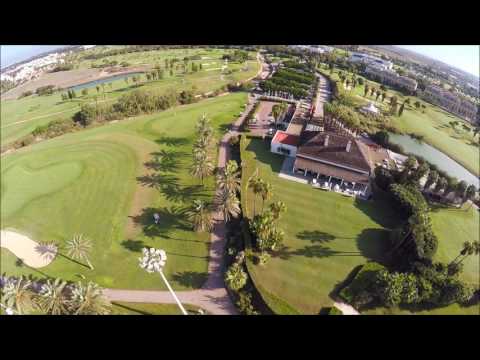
column 287, row 139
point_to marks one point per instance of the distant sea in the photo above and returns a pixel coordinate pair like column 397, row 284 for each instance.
column 11, row 54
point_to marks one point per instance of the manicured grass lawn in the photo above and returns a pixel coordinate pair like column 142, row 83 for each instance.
column 20, row 117
column 96, row 182
column 125, row 308
column 453, row 227
column 326, row 236
column 433, row 125
column 453, row 309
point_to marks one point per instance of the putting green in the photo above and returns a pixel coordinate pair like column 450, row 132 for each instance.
column 106, row 183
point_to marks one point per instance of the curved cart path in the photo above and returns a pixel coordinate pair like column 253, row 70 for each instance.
column 213, row 296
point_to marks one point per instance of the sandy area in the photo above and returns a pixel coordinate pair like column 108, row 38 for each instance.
column 30, row 252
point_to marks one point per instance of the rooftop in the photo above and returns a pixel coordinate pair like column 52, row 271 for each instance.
column 313, row 147
column 285, row 138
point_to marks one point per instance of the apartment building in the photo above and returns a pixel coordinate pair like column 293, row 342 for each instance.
column 451, row 102
column 390, row 77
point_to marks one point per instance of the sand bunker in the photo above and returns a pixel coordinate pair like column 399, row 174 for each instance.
column 30, row 252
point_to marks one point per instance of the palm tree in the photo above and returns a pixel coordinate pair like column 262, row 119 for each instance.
column 228, row 204
column 432, row 179
column 441, row 184
column 266, row 192
column 200, row 216
column 252, row 184
column 79, row 248
column 229, row 179
column 469, row 248
column 460, row 190
column 235, row 277
column 470, row 194
column 89, row 300
column 52, row 299
column 277, row 208
column 18, row 294
column 202, row 166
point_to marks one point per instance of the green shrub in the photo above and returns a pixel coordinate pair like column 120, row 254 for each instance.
column 362, row 289
column 334, row 311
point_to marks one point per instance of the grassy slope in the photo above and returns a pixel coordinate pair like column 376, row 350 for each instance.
column 433, row 125
column 33, row 111
column 326, row 236
column 87, row 182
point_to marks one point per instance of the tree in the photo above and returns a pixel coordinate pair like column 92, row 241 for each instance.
column 417, row 104
column 469, row 248
column 441, row 184
column 277, row 208
column 460, row 190
column 384, row 96
column 89, row 300
column 407, row 101
column 420, row 172
column 202, row 166
column 451, row 186
column 84, row 92
column 228, row 203
column 229, row 178
column 383, row 88
column 423, row 108
column 17, row 294
column 235, row 277
column 377, row 95
column 255, row 183
column 52, row 298
column 470, row 193
column 393, row 104
column 432, row 179
column 266, row 192
column 79, row 247
column 200, row 216
column 98, row 88
column 366, row 89
column 400, row 111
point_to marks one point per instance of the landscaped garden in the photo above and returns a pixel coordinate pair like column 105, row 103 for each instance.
column 326, row 236
column 106, row 183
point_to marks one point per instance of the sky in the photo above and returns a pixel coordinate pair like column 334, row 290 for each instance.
column 11, row 54
column 464, row 57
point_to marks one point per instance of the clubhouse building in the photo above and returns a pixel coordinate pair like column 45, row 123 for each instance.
column 330, row 156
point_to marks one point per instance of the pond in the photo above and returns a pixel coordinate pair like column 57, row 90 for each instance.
column 103, row 80
column 435, row 157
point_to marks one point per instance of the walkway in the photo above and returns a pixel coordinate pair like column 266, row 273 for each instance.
column 345, row 308
column 323, row 95
column 213, row 296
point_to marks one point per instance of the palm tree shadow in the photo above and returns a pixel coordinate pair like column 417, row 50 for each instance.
column 133, row 245
column 170, row 219
column 165, row 160
column 192, row 279
column 312, row 251
column 172, row 141
column 315, row 236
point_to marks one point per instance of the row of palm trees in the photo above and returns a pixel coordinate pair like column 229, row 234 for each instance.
column 53, row 297
column 228, row 181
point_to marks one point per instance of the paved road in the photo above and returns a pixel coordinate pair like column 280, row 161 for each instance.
column 213, row 296
column 323, row 95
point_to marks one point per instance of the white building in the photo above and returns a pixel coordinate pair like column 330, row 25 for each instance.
column 390, row 77
column 284, row 144
column 369, row 60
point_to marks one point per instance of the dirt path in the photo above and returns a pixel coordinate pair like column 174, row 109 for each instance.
column 213, row 296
